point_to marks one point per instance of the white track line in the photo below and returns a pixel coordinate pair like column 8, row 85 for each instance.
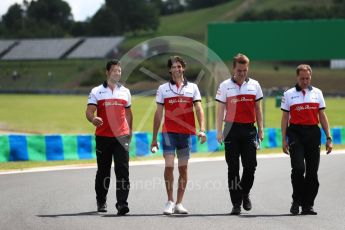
column 148, row 162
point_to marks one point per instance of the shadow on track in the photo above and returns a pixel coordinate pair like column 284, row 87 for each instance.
column 265, row 215
column 70, row 214
column 169, row 216
column 94, row 213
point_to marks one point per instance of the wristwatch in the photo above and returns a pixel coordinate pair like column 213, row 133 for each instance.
column 329, row 139
column 202, row 133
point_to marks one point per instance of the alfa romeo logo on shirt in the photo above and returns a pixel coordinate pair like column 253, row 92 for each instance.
column 306, row 107
column 112, row 103
column 180, row 100
column 242, row 99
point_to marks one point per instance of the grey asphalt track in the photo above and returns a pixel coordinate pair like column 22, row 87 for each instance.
column 65, row 199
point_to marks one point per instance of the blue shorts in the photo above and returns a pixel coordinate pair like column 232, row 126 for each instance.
column 178, row 142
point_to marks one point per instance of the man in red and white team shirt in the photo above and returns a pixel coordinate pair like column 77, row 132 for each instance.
column 113, row 122
column 177, row 97
column 303, row 108
column 240, row 106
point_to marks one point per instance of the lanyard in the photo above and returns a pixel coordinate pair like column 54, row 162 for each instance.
column 177, row 92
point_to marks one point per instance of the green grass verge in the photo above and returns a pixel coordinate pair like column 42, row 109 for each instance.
column 66, row 114
column 50, row 74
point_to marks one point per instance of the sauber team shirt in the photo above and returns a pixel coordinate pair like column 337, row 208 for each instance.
column 178, row 105
column 111, row 108
column 239, row 99
column 304, row 107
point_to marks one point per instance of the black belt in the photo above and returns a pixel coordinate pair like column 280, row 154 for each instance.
column 303, row 126
column 237, row 124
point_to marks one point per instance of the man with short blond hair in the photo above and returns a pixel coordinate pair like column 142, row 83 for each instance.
column 239, row 106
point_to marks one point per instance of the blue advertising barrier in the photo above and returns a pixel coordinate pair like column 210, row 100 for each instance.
column 17, row 147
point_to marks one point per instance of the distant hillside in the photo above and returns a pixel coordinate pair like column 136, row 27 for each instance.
column 84, row 74
column 194, row 24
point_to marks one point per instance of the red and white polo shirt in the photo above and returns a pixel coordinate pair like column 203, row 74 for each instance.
column 178, row 105
column 111, row 108
column 239, row 99
column 304, row 107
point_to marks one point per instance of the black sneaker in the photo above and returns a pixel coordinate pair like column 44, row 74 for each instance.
column 122, row 209
column 294, row 210
column 247, row 204
column 308, row 211
column 101, row 207
column 236, row 210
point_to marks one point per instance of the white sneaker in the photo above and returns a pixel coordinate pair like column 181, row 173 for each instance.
column 169, row 208
column 179, row 209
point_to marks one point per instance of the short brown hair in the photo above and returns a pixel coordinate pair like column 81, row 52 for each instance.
column 303, row 67
column 111, row 63
column 174, row 59
column 241, row 59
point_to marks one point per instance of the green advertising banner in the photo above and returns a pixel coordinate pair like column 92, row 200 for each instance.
column 279, row 40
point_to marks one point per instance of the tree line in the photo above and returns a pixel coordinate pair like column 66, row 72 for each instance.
column 334, row 11
column 53, row 18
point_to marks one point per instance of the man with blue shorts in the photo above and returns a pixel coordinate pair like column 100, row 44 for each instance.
column 177, row 97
